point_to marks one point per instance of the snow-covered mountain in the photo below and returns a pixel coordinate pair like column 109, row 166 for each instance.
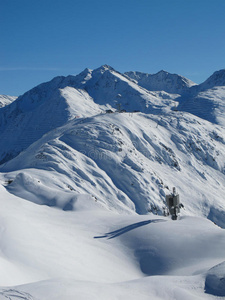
column 52, row 104
column 208, row 104
column 129, row 162
column 215, row 80
column 68, row 117
column 5, row 100
column 162, row 81
column 86, row 163
column 109, row 87
column 207, row 100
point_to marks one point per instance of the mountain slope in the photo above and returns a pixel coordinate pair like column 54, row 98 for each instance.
column 34, row 114
column 107, row 86
column 162, row 81
column 127, row 162
column 6, row 100
column 215, row 80
column 207, row 100
column 208, row 104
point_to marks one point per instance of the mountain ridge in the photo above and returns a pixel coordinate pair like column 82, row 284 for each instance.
column 216, row 79
column 103, row 88
column 100, row 90
column 171, row 83
column 128, row 163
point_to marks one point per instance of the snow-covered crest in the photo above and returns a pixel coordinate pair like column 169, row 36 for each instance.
column 5, row 100
column 215, row 80
column 162, row 81
column 52, row 104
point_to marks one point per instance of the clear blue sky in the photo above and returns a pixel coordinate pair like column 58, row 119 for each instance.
column 41, row 39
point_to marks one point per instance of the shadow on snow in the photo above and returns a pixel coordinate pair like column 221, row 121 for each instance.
column 113, row 234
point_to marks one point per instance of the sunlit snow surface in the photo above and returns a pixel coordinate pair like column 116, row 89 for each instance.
column 93, row 254
column 127, row 162
column 82, row 201
column 5, row 100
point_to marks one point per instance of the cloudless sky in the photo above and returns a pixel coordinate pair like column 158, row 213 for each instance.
column 41, row 39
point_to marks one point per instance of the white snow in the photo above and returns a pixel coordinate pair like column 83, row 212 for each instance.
column 129, row 162
column 162, row 81
column 5, row 100
column 82, row 191
column 71, row 255
column 215, row 80
column 53, row 254
column 215, row 280
column 208, row 104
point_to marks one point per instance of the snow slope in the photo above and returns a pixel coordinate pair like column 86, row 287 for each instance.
column 207, row 100
column 91, row 254
column 5, row 100
column 128, row 162
column 38, row 111
column 88, row 254
column 82, row 191
column 215, row 80
column 162, row 81
column 52, row 104
column 106, row 85
column 208, row 104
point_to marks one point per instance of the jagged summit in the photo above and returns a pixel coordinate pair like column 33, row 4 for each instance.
column 109, row 87
column 86, row 77
column 52, row 104
column 105, row 68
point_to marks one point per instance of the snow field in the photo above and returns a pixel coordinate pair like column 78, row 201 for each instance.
column 52, row 254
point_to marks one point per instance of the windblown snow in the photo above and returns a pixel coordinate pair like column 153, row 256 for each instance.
column 5, row 100
column 86, row 163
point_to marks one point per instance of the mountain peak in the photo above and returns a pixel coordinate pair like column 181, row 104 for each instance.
column 107, row 67
column 162, row 81
column 162, row 72
column 216, row 79
column 86, row 71
column 104, row 68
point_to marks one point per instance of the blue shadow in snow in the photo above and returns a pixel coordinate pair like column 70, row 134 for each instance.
column 113, row 234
